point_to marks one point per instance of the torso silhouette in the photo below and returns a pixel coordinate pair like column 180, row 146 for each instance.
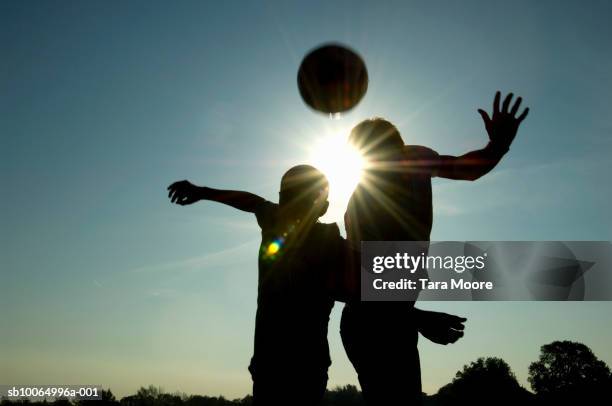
column 395, row 203
column 294, row 298
column 390, row 205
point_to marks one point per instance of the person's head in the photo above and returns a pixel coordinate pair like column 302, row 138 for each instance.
column 377, row 139
column 303, row 193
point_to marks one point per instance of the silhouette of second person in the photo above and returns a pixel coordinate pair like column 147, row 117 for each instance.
column 301, row 263
column 394, row 203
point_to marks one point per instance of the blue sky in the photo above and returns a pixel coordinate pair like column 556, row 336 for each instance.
column 106, row 103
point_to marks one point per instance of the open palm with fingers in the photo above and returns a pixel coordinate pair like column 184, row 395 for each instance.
column 183, row 193
column 503, row 124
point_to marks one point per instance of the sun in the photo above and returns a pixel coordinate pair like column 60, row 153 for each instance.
column 342, row 164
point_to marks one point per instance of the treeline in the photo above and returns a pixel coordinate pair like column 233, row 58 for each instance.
column 566, row 373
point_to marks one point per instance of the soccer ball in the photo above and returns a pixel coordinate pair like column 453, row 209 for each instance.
column 332, row 79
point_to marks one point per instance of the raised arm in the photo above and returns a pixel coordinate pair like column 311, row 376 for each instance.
column 501, row 127
column 184, row 192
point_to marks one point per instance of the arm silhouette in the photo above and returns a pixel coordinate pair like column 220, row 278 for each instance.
column 501, row 127
column 184, row 193
column 440, row 328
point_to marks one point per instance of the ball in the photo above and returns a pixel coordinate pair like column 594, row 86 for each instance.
column 332, row 79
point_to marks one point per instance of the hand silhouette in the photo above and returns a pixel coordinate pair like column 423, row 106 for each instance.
column 441, row 328
column 183, row 192
column 503, row 125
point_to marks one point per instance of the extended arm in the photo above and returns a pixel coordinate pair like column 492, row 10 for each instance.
column 501, row 127
column 184, row 192
column 470, row 166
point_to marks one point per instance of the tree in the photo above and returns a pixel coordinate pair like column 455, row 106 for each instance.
column 152, row 396
column 107, row 396
column 347, row 395
column 486, row 381
column 569, row 371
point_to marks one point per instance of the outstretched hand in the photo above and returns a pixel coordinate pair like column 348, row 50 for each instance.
column 441, row 328
column 503, row 125
column 183, row 192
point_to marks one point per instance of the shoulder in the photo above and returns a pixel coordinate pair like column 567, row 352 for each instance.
column 419, row 152
column 328, row 233
column 330, row 244
column 265, row 212
column 421, row 159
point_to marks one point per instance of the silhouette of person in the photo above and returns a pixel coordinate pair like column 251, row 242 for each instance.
column 299, row 259
column 394, row 203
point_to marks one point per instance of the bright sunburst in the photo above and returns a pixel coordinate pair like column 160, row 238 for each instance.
column 343, row 166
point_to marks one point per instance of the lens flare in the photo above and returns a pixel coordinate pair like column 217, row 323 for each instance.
column 273, row 248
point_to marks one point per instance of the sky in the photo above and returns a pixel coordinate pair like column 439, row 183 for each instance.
column 105, row 103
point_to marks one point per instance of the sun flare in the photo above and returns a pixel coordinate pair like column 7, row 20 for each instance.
column 343, row 165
